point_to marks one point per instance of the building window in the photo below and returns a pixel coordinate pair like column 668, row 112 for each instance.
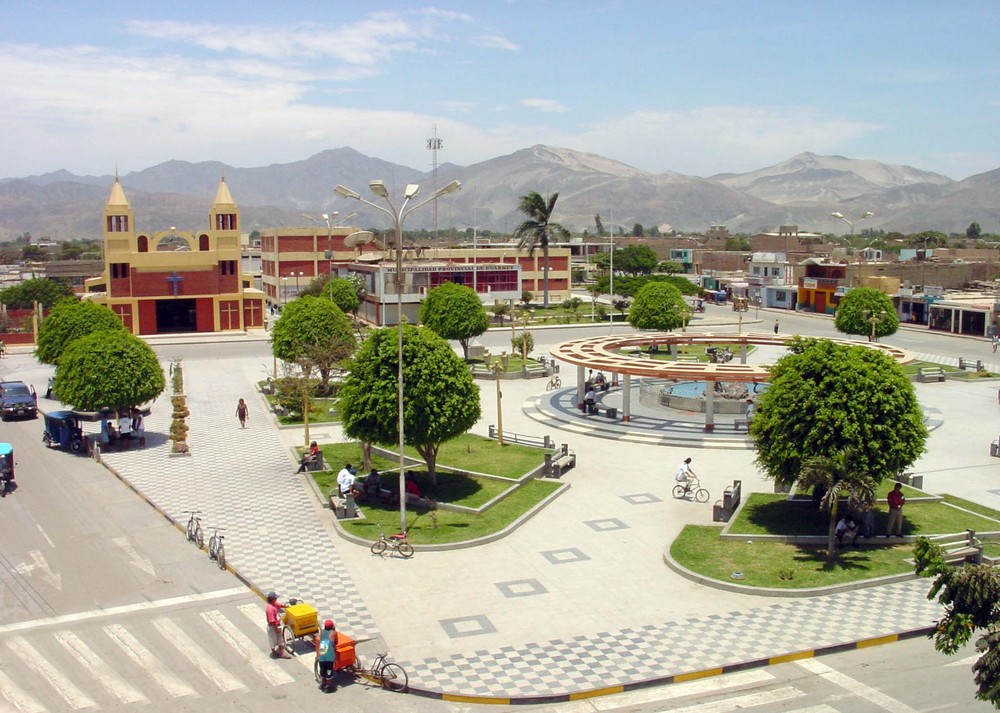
column 203, row 242
column 227, row 267
column 119, row 270
column 780, row 296
column 143, row 244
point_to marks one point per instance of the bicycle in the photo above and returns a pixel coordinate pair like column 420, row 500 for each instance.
column 194, row 531
column 396, row 543
column 388, row 674
column 554, row 383
column 694, row 488
column 216, row 548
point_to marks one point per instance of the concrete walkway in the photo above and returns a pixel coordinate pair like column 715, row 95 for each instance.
column 576, row 600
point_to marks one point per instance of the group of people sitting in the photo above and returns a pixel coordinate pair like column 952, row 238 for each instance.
column 371, row 487
column 130, row 427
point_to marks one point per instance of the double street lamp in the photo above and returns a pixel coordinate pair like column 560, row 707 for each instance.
column 379, row 189
column 873, row 318
column 851, row 223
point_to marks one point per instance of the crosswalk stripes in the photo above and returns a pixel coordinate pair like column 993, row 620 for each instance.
column 757, row 698
column 68, row 690
column 142, row 657
column 128, row 663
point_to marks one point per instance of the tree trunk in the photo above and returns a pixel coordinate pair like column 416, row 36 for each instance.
column 545, row 275
column 366, row 455
column 831, row 547
column 429, row 454
column 465, row 347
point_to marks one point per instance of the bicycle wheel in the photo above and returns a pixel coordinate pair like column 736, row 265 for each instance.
column 701, row 495
column 190, row 531
column 679, row 492
column 316, row 670
column 213, row 546
column 394, row 678
column 220, row 556
column 405, row 549
column 378, row 547
column 288, row 639
column 199, row 537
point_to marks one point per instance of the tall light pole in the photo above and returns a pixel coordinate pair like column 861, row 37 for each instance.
column 398, row 216
column 611, row 268
column 851, row 223
column 284, row 290
column 328, row 219
column 297, row 276
column 873, row 319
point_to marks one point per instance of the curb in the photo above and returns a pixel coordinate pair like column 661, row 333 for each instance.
column 677, row 678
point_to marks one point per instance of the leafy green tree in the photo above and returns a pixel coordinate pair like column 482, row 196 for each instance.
column 440, row 398
column 736, row 243
column 34, row 253
column 969, row 597
column 601, row 260
column 637, row 231
column 862, row 306
column 636, row 260
column 572, row 305
column 827, row 397
column 670, row 267
column 344, row 294
column 314, row 332
column 69, row 320
column 526, row 297
column 108, row 369
column 454, row 312
column 836, row 475
column 538, row 231
column 499, row 309
column 974, row 232
column 660, row 306
column 928, row 239
column 44, row 290
column 630, row 286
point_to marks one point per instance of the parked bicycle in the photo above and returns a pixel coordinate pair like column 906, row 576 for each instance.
column 216, row 547
column 693, row 488
column 388, row 674
column 396, row 543
column 194, row 531
column 554, row 383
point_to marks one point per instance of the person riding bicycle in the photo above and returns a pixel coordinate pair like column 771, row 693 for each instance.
column 686, row 475
column 326, row 655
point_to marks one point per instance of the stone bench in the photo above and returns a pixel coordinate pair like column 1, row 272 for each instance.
column 930, row 373
column 740, row 422
column 960, row 548
column 559, row 462
column 971, row 364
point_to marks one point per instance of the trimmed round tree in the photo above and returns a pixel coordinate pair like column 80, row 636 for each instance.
column 440, row 397
column 454, row 312
column 343, row 294
column 863, row 306
column 69, row 320
column 109, row 369
column 660, row 306
column 314, row 332
column 827, row 398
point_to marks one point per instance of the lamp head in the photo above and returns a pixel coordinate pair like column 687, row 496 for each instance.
column 412, row 189
column 837, row 215
column 345, row 192
column 378, row 188
column 325, row 216
column 450, row 188
column 868, row 214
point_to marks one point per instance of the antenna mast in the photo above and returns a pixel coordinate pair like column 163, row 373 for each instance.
column 433, row 144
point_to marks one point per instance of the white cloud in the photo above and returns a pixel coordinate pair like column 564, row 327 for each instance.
column 497, row 43
column 544, row 105
column 456, row 106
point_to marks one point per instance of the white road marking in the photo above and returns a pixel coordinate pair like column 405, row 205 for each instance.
column 101, row 671
column 46, row 536
column 153, row 665
column 821, row 708
column 713, row 684
column 124, row 609
column 733, row 703
column 17, row 697
column 43, row 667
column 44, row 571
column 967, row 661
column 858, row 688
column 202, row 660
column 250, row 652
column 135, row 558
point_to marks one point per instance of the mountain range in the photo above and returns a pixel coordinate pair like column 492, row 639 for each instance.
column 803, row 190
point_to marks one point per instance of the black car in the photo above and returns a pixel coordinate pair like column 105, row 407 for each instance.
column 17, row 399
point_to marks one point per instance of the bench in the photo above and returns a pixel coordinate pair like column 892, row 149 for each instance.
column 960, row 548
column 559, row 462
column 972, row 364
column 686, row 358
column 723, row 509
column 597, row 409
column 740, row 422
column 316, row 464
column 930, row 373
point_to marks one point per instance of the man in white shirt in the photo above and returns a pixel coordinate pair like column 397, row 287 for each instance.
column 125, row 426
column 345, row 480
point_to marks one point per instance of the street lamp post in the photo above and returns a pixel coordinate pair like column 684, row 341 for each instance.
column 873, row 319
column 328, row 219
column 297, row 276
column 851, row 223
column 284, row 290
column 398, row 216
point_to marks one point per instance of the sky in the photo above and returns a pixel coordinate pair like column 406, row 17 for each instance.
column 697, row 87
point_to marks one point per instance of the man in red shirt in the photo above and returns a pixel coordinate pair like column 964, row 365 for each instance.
column 273, row 611
column 896, row 499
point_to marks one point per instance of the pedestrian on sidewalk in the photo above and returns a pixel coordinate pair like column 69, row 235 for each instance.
column 242, row 411
column 775, row 326
column 326, row 654
column 272, row 612
column 896, row 500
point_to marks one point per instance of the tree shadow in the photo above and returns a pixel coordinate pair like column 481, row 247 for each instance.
column 847, row 559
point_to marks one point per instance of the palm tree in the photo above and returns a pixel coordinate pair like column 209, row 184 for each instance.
column 538, row 230
column 836, row 473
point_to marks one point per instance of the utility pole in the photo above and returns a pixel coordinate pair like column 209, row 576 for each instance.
column 434, row 144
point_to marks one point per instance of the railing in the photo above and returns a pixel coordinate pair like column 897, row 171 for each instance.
column 522, row 439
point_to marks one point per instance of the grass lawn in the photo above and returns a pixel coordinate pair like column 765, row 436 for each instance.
column 319, row 412
column 953, row 372
column 484, row 455
column 767, row 514
column 773, row 564
column 442, row 526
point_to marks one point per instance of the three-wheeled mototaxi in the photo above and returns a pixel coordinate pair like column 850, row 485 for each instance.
column 6, row 468
column 62, row 429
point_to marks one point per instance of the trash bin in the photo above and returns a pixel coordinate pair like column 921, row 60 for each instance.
column 995, row 449
column 612, row 412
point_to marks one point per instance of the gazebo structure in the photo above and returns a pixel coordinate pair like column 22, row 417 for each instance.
column 627, row 355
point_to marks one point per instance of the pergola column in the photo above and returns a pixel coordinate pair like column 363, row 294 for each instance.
column 710, row 406
column 743, row 353
column 626, row 397
column 581, row 385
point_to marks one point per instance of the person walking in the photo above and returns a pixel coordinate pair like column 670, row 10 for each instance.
column 326, row 655
column 775, row 326
column 242, row 411
column 896, row 500
column 273, row 613
column 751, row 409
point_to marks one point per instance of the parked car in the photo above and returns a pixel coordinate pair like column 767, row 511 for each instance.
column 17, row 399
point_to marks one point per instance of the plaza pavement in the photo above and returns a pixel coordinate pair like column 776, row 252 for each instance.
column 575, row 601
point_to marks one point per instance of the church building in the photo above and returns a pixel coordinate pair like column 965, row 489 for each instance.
column 176, row 281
